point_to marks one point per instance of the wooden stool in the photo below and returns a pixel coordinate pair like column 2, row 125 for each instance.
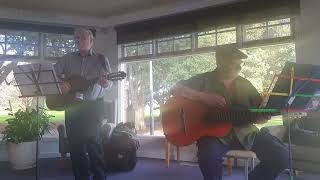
column 247, row 156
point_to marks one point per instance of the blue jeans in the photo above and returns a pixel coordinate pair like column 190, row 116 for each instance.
column 272, row 153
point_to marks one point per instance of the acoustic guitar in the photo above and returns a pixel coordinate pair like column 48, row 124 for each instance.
column 184, row 121
column 78, row 84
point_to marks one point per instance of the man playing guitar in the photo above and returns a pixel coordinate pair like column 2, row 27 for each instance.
column 224, row 87
column 83, row 119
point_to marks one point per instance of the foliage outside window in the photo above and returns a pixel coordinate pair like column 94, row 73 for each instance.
column 177, row 43
column 214, row 36
column 57, row 45
column 207, row 38
column 138, row 49
column 259, row 68
column 19, row 43
column 226, row 35
column 267, row 30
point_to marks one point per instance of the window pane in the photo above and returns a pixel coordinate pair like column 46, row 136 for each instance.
column 64, row 51
column 255, row 34
column 263, row 62
column 58, row 45
column 2, row 37
column 280, row 21
column 265, row 30
column 165, row 46
column 130, row 51
column 15, row 37
column 206, row 40
column 31, row 50
column 67, row 41
column 31, row 38
column 52, row 40
column 166, row 72
column 144, row 49
column 52, row 52
column 182, row 44
column 279, row 31
column 137, row 91
column 227, row 38
column 226, row 29
column 256, row 25
column 2, row 48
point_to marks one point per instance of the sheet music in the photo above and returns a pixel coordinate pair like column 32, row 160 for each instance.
column 28, row 75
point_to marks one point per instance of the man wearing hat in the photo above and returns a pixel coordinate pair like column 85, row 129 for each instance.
column 224, row 87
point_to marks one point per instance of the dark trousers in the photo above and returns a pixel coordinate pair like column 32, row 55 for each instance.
column 83, row 124
column 272, row 153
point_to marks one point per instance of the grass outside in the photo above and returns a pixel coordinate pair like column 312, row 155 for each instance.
column 59, row 116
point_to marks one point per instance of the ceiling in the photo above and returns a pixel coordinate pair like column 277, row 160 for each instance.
column 96, row 13
column 96, row 8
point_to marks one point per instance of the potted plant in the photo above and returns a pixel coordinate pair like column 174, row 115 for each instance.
column 21, row 133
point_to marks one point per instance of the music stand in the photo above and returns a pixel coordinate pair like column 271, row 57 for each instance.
column 35, row 80
column 294, row 88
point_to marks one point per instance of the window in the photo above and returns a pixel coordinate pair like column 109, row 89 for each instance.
column 57, row 45
column 262, row 63
column 138, row 49
column 165, row 73
column 177, row 43
column 226, row 35
column 9, row 95
column 206, row 39
column 29, row 44
column 267, row 30
column 19, row 43
column 259, row 68
column 218, row 36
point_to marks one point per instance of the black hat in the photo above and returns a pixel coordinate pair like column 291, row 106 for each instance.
column 229, row 53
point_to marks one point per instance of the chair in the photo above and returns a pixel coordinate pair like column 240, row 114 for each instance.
column 247, row 156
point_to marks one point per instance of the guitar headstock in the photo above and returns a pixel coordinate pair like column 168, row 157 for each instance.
column 115, row 76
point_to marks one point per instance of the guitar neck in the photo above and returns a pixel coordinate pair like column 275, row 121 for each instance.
column 237, row 117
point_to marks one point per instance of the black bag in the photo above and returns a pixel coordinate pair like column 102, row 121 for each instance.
column 120, row 151
column 305, row 131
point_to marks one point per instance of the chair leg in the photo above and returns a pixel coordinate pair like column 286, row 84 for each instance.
column 178, row 153
column 246, row 169
column 253, row 164
column 229, row 166
column 167, row 153
column 235, row 161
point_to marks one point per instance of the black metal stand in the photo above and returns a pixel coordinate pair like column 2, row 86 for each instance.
column 291, row 174
column 33, row 77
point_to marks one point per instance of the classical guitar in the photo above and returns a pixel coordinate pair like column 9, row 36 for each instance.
column 78, row 85
column 184, row 121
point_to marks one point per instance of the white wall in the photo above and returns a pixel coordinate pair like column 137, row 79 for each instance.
column 106, row 44
column 308, row 33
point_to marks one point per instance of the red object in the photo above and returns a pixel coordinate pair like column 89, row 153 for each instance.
column 184, row 121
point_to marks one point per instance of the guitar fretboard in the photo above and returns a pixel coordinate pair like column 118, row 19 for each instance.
column 237, row 117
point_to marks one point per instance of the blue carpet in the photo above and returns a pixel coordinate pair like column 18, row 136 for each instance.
column 146, row 169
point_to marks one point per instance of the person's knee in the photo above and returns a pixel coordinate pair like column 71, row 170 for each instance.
column 282, row 159
column 276, row 155
column 279, row 159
